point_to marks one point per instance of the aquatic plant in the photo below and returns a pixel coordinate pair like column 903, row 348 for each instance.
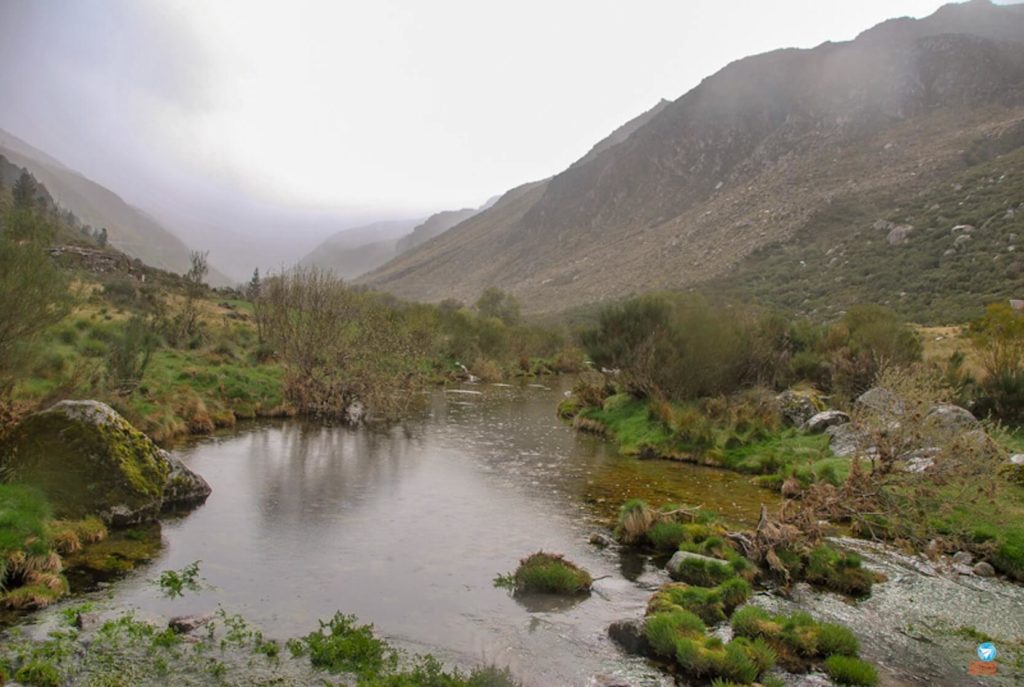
column 549, row 573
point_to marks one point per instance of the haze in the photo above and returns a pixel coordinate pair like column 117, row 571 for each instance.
column 257, row 129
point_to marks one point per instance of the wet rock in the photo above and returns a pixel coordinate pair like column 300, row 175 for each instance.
column 89, row 460
column 819, row 422
column 881, row 401
column 963, row 558
column 846, row 440
column 354, row 413
column 602, row 540
column 86, row 621
column 183, row 487
column 797, row 406
column 184, row 624
column 629, row 634
column 984, row 569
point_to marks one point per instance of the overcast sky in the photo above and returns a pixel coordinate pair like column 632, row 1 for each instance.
column 360, row 109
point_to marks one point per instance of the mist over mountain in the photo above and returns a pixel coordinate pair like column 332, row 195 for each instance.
column 773, row 150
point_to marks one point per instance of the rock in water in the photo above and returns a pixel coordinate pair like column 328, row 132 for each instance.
column 89, row 460
column 819, row 422
column 630, row 635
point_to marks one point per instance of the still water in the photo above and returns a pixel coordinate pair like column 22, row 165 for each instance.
column 407, row 529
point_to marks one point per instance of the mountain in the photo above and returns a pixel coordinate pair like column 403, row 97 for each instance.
column 435, row 225
column 776, row 155
column 356, row 250
column 129, row 229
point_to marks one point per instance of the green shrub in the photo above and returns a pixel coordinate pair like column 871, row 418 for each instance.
column 846, row 670
column 342, row 646
column 837, row 571
column 667, row 536
column 39, row 673
column 703, row 573
column 836, row 639
column 551, row 574
column 663, row 630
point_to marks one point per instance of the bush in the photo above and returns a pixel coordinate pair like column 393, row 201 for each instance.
column 836, row 639
column 851, row 671
column 548, row 573
column 837, row 571
column 663, row 630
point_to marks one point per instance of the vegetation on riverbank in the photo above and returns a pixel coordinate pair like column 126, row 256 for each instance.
column 225, row 650
column 546, row 573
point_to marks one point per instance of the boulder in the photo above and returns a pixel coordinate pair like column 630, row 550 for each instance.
column 602, row 540
column 90, row 461
column 819, row 422
column 984, row 569
column 899, row 234
column 949, row 420
column 798, row 406
column 630, row 635
column 881, row 401
column 846, row 440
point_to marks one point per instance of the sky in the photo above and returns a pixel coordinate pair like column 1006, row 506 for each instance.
column 281, row 122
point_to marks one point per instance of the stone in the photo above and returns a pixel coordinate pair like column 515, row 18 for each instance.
column 184, row 624
column 846, row 440
column 965, row 228
column 677, row 570
column 984, row 569
column 899, row 234
column 89, row 460
column 602, row 540
column 919, row 460
column 949, row 420
column 961, row 569
column 961, row 240
column 1017, row 459
column 963, row 558
column 797, row 406
column 819, row 422
column 883, row 225
column 629, row 634
column 881, row 401
column 354, row 413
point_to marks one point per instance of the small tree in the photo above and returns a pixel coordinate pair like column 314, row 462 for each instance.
column 25, row 189
column 129, row 355
column 254, row 294
column 494, row 302
column 195, row 288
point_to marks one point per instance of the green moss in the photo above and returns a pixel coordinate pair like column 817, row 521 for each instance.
column 24, row 512
column 547, row 573
column 39, row 673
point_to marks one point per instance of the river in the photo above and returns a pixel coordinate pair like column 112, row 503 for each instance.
column 406, row 528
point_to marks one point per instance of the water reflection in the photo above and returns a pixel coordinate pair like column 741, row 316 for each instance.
column 408, row 527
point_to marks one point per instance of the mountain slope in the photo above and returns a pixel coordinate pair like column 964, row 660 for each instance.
column 129, row 229
column 768, row 151
column 356, row 250
column 435, row 225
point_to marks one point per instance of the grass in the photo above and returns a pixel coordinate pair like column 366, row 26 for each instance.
column 846, row 670
column 711, row 604
column 547, row 573
column 798, row 639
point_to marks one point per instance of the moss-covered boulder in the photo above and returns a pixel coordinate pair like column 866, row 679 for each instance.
column 89, row 460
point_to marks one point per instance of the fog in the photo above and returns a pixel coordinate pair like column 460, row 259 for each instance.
column 255, row 129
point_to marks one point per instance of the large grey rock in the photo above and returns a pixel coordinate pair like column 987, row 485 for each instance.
column 90, row 461
column 949, row 420
column 819, row 422
column 847, row 440
column 881, row 401
column 797, row 407
column 629, row 634
column 677, row 566
column 899, row 234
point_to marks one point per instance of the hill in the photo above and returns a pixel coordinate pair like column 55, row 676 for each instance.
column 356, row 250
column 129, row 229
column 777, row 155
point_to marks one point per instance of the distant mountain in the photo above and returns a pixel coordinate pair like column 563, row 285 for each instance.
column 435, row 225
column 351, row 252
column 129, row 229
column 776, row 155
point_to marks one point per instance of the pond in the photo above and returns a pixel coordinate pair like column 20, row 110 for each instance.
column 407, row 529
